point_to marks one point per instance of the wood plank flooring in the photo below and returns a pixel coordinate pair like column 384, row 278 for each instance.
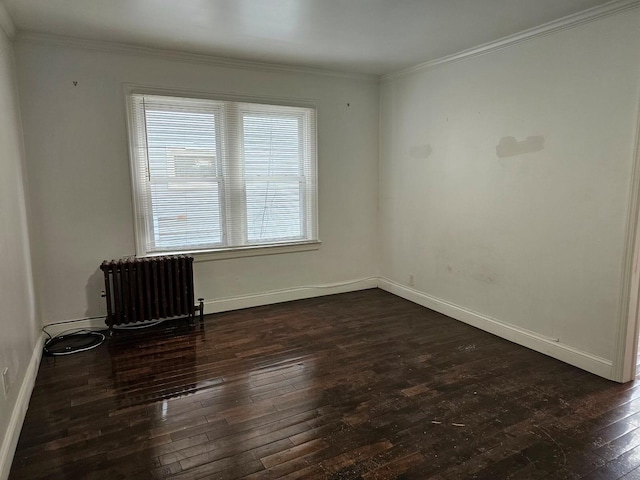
column 363, row 385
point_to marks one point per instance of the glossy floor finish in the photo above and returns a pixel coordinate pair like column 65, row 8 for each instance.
column 362, row 385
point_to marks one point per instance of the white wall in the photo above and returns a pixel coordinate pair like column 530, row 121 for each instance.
column 78, row 169
column 19, row 332
column 531, row 240
column 525, row 244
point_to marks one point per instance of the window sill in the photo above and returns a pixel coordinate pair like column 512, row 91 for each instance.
column 251, row 251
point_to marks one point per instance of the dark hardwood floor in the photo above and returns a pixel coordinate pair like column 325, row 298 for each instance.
column 362, row 385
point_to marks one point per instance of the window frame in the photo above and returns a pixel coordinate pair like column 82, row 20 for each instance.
column 141, row 227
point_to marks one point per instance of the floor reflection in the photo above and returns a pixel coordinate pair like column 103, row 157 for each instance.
column 156, row 363
column 361, row 385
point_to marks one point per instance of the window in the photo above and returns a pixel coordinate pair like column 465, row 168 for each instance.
column 216, row 174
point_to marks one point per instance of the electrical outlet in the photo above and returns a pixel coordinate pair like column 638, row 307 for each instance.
column 5, row 381
column 412, row 280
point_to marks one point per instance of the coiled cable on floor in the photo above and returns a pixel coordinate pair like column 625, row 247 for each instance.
column 74, row 342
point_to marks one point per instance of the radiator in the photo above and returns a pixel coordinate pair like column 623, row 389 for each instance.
column 154, row 288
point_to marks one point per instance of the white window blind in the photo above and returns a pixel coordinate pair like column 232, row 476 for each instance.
column 218, row 174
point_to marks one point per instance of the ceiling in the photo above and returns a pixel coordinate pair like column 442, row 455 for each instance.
column 361, row 36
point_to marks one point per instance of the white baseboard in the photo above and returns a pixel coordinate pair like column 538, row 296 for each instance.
column 591, row 363
column 573, row 356
column 236, row 303
column 93, row 323
column 287, row 295
column 11, row 436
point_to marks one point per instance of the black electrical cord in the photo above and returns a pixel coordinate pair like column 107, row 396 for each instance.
column 74, row 342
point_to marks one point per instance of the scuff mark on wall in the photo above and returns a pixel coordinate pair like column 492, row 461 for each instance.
column 483, row 277
column 481, row 273
column 421, row 151
column 510, row 147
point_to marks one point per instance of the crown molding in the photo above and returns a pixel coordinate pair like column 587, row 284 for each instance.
column 6, row 24
column 125, row 49
column 564, row 23
column 570, row 21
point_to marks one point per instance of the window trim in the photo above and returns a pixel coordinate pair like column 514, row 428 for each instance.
column 244, row 251
column 225, row 252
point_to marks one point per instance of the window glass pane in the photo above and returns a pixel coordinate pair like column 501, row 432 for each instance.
column 186, row 215
column 190, row 163
column 184, row 135
column 213, row 174
column 271, row 144
column 274, row 210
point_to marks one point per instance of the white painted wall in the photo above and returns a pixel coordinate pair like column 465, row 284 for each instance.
column 533, row 241
column 80, row 189
column 529, row 246
column 19, row 331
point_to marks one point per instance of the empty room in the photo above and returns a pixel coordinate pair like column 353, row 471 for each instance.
column 319, row 239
